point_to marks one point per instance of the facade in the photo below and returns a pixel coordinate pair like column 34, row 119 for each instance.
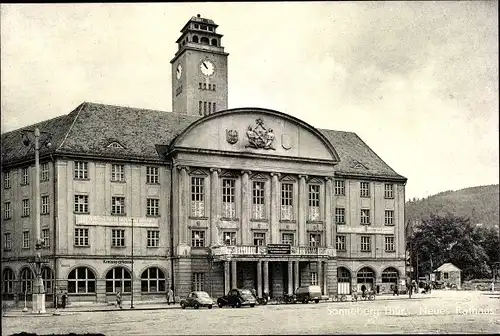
column 209, row 198
column 450, row 275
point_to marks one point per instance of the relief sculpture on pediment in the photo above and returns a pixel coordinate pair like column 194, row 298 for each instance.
column 260, row 136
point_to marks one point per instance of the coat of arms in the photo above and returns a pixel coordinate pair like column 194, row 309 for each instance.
column 259, row 136
column 232, row 136
column 286, row 141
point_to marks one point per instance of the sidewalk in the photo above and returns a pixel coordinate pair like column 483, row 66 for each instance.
column 97, row 307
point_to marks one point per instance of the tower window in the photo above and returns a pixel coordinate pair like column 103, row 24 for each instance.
column 204, row 108
column 213, row 87
column 211, row 28
column 196, row 26
column 195, row 39
column 214, row 42
column 210, row 86
column 204, row 86
column 204, row 40
column 199, row 107
column 213, row 107
column 200, row 85
column 203, row 27
column 209, row 108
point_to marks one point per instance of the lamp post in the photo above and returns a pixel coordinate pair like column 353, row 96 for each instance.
column 32, row 139
column 132, row 285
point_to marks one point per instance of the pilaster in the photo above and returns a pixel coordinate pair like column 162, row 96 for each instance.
column 215, row 207
column 302, row 218
column 274, row 224
column 328, row 211
column 266, row 276
column 259, row 279
column 183, row 204
column 245, row 208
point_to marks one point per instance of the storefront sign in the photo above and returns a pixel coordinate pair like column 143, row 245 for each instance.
column 279, row 249
column 117, row 261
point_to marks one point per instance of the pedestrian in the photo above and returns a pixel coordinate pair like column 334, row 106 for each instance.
column 119, row 299
column 170, row 296
column 396, row 292
column 492, row 287
column 408, row 288
column 64, row 300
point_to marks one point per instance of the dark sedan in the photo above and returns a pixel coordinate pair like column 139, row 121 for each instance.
column 197, row 300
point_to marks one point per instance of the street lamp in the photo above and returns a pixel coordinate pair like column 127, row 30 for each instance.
column 32, row 139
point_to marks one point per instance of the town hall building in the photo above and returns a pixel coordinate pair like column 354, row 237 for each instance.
column 201, row 198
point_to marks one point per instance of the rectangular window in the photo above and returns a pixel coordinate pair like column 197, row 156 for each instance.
column 44, row 172
column 152, row 175
column 7, row 241
column 228, row 198
column 153, row 238
column 152, row 207
column 81, row 237
column 26, row 239
column 6, row 210
column 314, row 239
column 389, row 190
column 314, row 278
column 287, row 201
column 198, row 196
column 314, row 213
column 364, row 189
column 389, row 217
column 365, row 216
column 258, row 200
column 199, row 106
column 209, row 107
column 365, row 243
column 117, row 173
column 198, row 282
column 389, row 244
column 340, row 243
column 46, row 237
column 204, row 108
column 259, row 238
column 340, row 215
column 445, row 276
column 81, row 204
column 288, row 238
column 213, row 88
column 81, row 170
column 25, row 176
column 214, row 109
column 198, row 238
column 117, row 238
column 26, row 208
column 229, row 238
column 45, row 205
column 339, row 187
column 6, row 179
column 117, row 205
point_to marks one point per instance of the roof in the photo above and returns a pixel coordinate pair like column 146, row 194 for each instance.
column 91, row 127
column 447, row 267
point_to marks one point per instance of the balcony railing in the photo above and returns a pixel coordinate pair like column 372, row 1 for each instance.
column 228, row 251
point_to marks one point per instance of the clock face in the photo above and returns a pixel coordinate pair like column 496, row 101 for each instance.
column 179, row 71
column 207, row 67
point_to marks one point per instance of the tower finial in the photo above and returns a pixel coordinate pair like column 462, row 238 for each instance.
column 198, row 15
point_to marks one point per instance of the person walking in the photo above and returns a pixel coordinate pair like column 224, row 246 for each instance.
column 64, row 300
column 396, row 292
column 170, row 296
column 119, row 299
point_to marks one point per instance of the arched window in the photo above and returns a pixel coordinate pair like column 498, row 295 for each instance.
column 153, row 280
column 118, row 279
column 204, row 40
column 366, row 275
column 8, row 281
column 195, row 39
column 48, row 280
column 26, row 280
column 390, row 274
column 81, row 280
column 343, row 275
column 214, row 42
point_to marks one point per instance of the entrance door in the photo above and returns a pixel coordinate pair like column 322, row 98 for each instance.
column 366, row 278
column 343, row 281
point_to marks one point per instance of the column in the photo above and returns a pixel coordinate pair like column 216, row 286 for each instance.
column 325, row 277
column 290, row 277
column 233, row 274
column 328, row 212
column 183, row 204
column 319, row 270
column 301, row 221
column 266, row 276
column 259, row 279
column 297, row 274
column 214, row 205
column 226, row 277
column 245, row 209
column 275, row 209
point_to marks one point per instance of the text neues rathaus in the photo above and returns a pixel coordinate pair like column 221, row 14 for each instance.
column 217, row 198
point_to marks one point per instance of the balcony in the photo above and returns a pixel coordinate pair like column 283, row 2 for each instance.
column 235, row 251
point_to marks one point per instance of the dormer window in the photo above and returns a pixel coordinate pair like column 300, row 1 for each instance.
column 115, row 144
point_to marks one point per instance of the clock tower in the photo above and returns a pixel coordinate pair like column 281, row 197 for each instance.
column 199, row 69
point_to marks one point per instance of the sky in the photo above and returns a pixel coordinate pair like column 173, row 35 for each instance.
column 417, row 81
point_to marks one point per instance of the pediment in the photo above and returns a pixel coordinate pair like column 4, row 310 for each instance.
column 229, row 173
column 260, row 176
column 315, row 180
column 288, row 178
column 198, row 172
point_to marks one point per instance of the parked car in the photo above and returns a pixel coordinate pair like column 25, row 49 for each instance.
column 305, row 294
column 197, row 300
column 237, row 298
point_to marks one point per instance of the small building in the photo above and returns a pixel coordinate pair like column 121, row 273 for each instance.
column 449, row 275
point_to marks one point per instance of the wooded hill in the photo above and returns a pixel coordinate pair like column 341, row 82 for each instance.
column 479, row 204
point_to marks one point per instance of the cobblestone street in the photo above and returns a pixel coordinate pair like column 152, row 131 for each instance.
column 441, row 312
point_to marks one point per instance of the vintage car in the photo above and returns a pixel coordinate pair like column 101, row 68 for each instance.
column 197, row 300
column 237, row 298
column 305, row 294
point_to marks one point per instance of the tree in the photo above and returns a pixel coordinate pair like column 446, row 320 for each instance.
column 450, row 238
